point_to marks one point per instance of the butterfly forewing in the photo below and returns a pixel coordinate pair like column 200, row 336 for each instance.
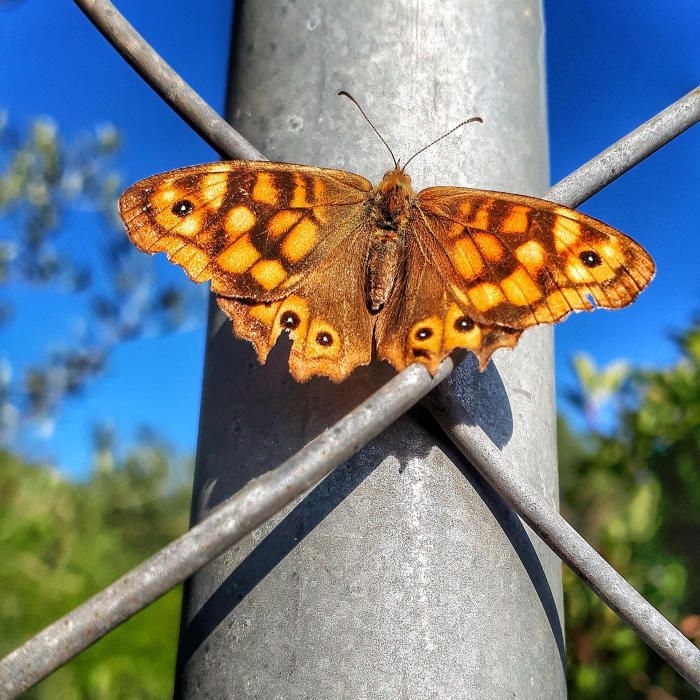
column 519, row 261
column 255, row 229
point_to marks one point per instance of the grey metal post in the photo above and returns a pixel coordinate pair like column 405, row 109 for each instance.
column 402, row 574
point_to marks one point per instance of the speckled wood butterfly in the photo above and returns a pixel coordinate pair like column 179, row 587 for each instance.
column 340, row 265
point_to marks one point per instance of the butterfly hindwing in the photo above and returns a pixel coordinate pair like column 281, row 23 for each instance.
column 519, row 261
column 331, row 331
column 255, row 229
column 424, row 321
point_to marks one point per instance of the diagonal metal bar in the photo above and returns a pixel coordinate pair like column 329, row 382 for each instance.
column 563, row 539
column 89, row 622
column 607, row 166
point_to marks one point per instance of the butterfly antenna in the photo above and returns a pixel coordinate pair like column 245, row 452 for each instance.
column 354, row 101
column 466, row 121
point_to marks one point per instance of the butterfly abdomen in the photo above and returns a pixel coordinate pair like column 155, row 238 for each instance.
column 383, row 259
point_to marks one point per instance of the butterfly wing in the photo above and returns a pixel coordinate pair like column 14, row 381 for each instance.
column 519, row 261
column 283, row 245
column 326, row 317
column 424, row 319
column 255, row 229
column 482, row 266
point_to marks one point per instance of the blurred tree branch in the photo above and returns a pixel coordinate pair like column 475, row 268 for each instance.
column 60, row 233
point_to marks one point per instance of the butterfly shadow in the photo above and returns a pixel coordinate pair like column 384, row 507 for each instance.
column 483, row 396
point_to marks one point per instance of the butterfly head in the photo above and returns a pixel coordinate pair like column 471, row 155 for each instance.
column 394, row 198
column 396, row 179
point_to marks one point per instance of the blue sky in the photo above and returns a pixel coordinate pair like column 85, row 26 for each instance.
column 610, row 66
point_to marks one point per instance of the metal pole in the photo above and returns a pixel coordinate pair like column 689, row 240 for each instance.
column 400, row 573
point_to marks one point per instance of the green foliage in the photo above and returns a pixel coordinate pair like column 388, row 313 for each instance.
column 635, row 496
column 597, row 388
column 61, row 542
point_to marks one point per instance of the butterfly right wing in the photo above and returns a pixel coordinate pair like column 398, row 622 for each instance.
column 483, row 266
column 255, row 229
column 521, row 261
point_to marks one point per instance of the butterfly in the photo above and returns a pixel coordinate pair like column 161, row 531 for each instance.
column 341, row 265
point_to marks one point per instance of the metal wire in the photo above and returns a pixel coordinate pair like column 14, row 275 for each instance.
column 607, row 166
column 261, row 498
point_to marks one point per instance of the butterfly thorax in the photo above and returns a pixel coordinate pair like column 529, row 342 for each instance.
column 391, row 205
column 394, row 195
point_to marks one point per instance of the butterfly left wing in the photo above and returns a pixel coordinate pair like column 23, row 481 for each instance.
column 284, row 247
column 519, row 261
column 255, row 229
column 326, row 317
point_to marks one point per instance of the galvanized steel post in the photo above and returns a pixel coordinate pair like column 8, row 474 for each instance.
column 403, row 573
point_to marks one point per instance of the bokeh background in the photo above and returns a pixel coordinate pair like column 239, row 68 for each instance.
column 101, row 347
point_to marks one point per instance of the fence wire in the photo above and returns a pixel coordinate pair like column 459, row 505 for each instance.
column 265, row 496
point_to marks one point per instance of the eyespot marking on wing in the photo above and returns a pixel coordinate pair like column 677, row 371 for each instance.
column 322, row 340
column 460, row 330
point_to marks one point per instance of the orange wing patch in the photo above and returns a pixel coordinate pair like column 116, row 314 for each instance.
column 268, row 273
column 517, row 220
column 300, row 240
column 239, row 220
